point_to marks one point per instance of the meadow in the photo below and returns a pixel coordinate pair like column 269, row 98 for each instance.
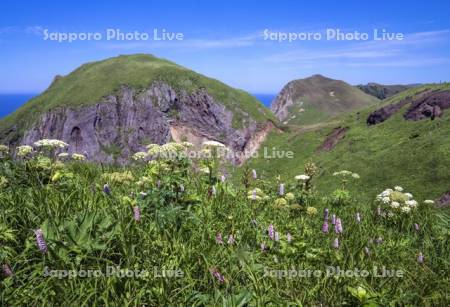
column 177, row 231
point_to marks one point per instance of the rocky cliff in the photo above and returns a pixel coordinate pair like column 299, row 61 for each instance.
column 130, row 117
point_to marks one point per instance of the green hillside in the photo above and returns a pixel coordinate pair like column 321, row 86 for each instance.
column 318, row 98
column 383, row 91
column 89, row 83
column 413, row 154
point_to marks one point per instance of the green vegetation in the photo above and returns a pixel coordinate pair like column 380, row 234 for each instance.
column 317, row 98
column 91, row 82
column 415, row 154
column 176, row 233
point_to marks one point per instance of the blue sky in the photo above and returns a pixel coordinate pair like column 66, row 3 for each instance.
column 225, row 40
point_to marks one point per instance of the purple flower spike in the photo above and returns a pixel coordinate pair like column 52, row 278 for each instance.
column 137, row 214
column 7, row 271
column 420, row 258
column 219, row 239
column 281, row 189
column 277, row 236
column 106, row 189
column 325, row 226
column 41, row 241
column 336, row 243
column 358, row 217
column 220, row 278
column 333, row 219
column 326, row 214
column 416, row 227
column 271, row 232
column 231, row 240
column 338, row 226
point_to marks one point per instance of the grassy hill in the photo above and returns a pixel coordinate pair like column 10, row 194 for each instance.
column 382, row 91
column 413, row 154
column 89, row 83
column 317, row 98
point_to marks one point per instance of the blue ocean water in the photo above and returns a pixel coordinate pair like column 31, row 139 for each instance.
column 11, row 102
column 266, row 99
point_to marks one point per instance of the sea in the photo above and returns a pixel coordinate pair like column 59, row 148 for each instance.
column 11, row 102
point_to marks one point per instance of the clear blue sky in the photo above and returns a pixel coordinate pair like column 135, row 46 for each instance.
column 224, row 40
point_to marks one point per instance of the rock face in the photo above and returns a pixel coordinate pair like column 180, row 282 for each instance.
column 428, row 105
column 122, row 124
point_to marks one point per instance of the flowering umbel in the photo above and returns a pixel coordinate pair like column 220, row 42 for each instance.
column 41, row 241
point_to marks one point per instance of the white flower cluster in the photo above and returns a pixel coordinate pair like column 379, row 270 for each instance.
column 23, row 151
column 395, row 201
column 302, row 177
column 78, row 157
column 345, row 173
column 53, row 144
column 140, row 156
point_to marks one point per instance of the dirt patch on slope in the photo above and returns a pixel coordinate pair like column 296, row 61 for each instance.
column 333, row 139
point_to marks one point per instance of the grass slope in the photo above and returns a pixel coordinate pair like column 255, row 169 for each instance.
column 89, row 83
column 318, row 98
column 382, row 91
column 415, row 155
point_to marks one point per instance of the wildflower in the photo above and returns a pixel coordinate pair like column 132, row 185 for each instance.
column 222, row 179
column 281, row 189
column 106, row 189
column 140, row 156
column 358, row 217
column 263, row 247
column 366, row 251
column 187, row 144
column 336, row 243
column 4, row 149
column 355, row 175
column 23, row 151
column 41, row 241
column 254, row 175
column 53, row 144
column 158, row 183
column 408, row 195
column 378, row 210
column 181, row 188
column 63, row 155
column 311, row 211
column 231, row 240
column 302, row 177
column 217, row 275
column 395, row 205
column 289, row 196
column 333, row 219
column 338, row 226
column 277, row 236
column 379, row 240
column 213, row 190
column 342, row 173
column 420, row 258
column 254, row 223
column 78, row 157
column 289, row 237
column 411, row 203
column 398, row 189
column 137, row 214
column 325, row 227
column 219, row 239
column 7, row 271
column 271, row 232
column 428, row 202
column 280, row 202
column 416, row 227
column 326, row 214
column 406, row 209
